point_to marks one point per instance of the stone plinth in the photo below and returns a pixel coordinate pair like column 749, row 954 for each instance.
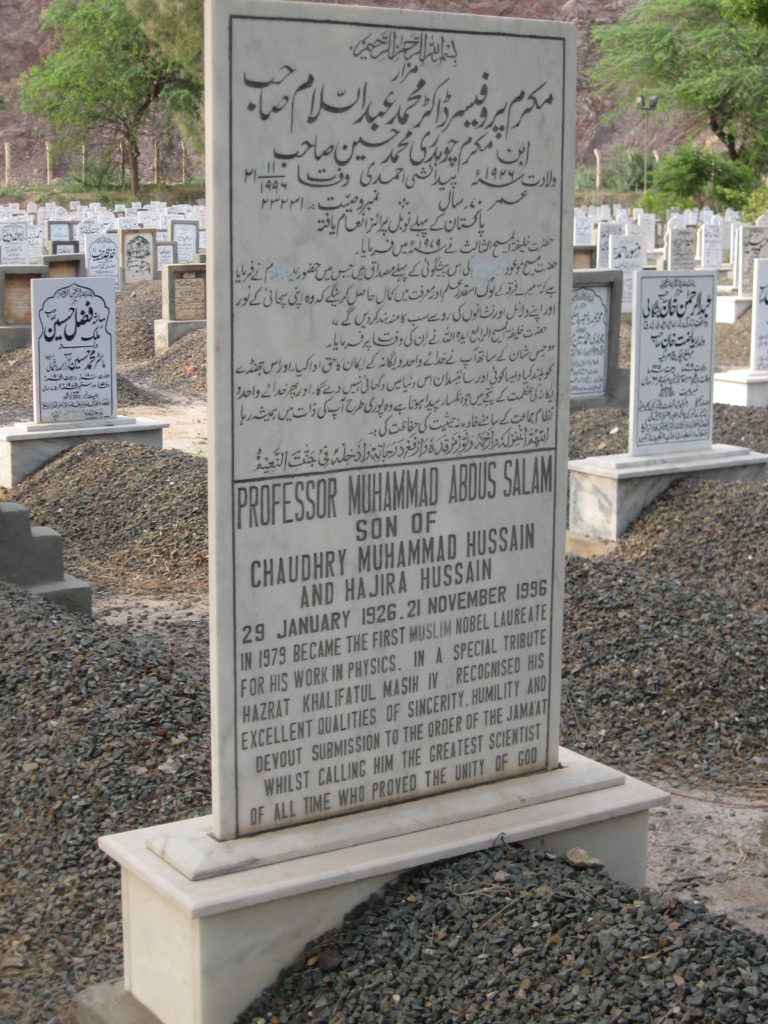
column 198, row 951
column 24, row 447
column 730, row 308
column 169, row 331
column 741, row 387
column 608, row 492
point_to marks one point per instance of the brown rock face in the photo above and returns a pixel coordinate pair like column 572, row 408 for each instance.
column 22, row 46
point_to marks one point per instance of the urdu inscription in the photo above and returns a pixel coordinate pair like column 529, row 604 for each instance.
column 397, row 381
column 673, row 342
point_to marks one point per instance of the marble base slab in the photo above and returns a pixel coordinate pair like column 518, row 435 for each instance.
column 608, row 492
column 741, row 387
column 730, row 308
column 169, row 331
column 197, row 952
column 25, row 447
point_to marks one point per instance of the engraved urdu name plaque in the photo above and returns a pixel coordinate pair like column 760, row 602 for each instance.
column 390, row 277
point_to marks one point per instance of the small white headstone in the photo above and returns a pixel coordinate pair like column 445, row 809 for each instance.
column 625, row 253
column 13, row 242
column 184, row 233
column 711, row 246
column 673, row 351
column 604, row 232
column 73, row 350
column 590, row 323
column 681, row 249
column 102, row 258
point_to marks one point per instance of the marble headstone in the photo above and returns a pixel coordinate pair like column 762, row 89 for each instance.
column 102, row 258
column 673, row 348
column 73, row 350
column 625, row 253
column 391, row 241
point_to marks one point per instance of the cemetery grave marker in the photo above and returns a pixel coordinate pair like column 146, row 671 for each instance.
column 595, row 376
column 680, row 248
column 673, row 353
column 625, row 253
column 73, row 350
column 747, row 386
column 183, row 303
column 185, row 234
column 670, row 409
column 73, row 371
column 137, row 255
column 390, row 321
column 102, row 258
column 13, row 242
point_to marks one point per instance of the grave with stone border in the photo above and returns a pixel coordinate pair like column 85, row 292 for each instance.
column 388, row 445
column 74, row 382
column 670, row 410
column 749, row 386
column 183, row 303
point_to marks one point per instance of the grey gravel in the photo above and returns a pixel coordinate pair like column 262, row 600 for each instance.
column 105, row 727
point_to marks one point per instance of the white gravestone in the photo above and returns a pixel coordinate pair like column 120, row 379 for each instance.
column 681, row 248
column 625, row 253
column 582, row 230
column 102, row 258
column 758, row 353
column 711, row 246
column 673, row 346
column 73, row 350
column 604, row 232
column 387, row 425
column 590, row 322
column 753, row 245
column 13, row 242
column 138, row 255
column 185, row 234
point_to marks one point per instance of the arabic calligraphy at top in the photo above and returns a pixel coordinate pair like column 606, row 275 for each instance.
column 388, row 198
column 73, row 350
column 673, row 358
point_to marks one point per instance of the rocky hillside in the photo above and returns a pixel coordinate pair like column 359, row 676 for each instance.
column 21, row 46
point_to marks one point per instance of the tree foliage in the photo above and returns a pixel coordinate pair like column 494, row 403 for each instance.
column 103, row 76
column 698, row 62
column 694, row 175
column 175, row 27
column 755, row 11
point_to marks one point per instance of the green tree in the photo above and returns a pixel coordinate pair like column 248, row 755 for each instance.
column 697, row 61
column 693, row 176
column 103, row 76
column 755, row 11
column 176, row 28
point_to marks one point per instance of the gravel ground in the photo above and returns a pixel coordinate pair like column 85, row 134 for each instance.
column 105, row 727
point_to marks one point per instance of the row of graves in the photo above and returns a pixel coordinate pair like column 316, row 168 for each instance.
column 611, row 238
column 125, row 246
column 60, row 271
column 389, row 336
column 671, row 384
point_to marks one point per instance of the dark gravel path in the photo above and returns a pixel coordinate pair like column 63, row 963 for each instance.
column 105, row 727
